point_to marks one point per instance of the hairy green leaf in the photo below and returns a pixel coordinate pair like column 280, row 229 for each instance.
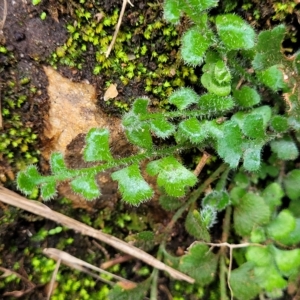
column 235, row 32
column 196, row 227
column 198, row 6
column 97, row 145
column 250, row 212
column 288, row 261
column 272, row 195
column 161, row 127
column 272, row 78
column 252, row 155
column 132, row 185
column 236, row 194
column 221, row 72
column 216, row 76
column 218, row 89
column 172, row 175
column 282, row 226
column 140, row 136
column 86, row 186
column 194, row 130
column 199, row 19
column 279, row 123
column 215, row 129
column 268, row 49
column 264, row 111
column 260, row 256
column 246, row 96
column 28, row 180
column 291, row 184
column 194, row 45
column 253, row 126
column 48, row 189
column 258, row 235
column 285, row 148
column 183, row 98
column 217, row 199
column 230, row 146
column 208, row 216
column 57, row 163
column 172, row 11
column 293, row 238
column 215, row 103
column 139, row 106
column 169, row 203
column 268, row 278
column 243, row 283
column 241, row 179
column 199, row 263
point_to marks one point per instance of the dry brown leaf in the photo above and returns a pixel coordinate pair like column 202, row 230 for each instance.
column 111, row 92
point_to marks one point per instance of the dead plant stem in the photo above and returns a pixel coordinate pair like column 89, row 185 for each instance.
column 117, row 27
column 40, row 209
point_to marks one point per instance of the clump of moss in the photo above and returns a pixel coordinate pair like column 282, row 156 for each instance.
column 17, row 137
column 146, row 52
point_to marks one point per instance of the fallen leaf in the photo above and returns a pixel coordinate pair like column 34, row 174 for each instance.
column 111, row 92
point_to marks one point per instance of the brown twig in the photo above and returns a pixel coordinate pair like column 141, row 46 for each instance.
column 201, row 163
column 31, row 286
column 105, row 252
column 115, row 261
column 40, row 209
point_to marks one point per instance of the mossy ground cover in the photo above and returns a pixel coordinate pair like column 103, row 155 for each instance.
column 145, row 61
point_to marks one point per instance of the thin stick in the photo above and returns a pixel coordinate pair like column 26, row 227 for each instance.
column 40, row 209
column 117, row 27
column 106, row 254
column 79, row 264
column 53, row 279
column 201, row 163
column 115, row 261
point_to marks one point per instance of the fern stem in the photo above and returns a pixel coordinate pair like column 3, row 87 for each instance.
column 154, row 276
column 222, row 182
column 179, row 114
column 153, row 290
column 223, row 268
column 71, row 173
column 222, row 275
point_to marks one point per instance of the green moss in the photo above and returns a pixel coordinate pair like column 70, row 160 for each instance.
column 17, row 137
column 154, row 56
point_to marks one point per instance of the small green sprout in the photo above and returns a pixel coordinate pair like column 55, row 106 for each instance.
column 36, row 2
column 3, row 50
column 43, row 15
